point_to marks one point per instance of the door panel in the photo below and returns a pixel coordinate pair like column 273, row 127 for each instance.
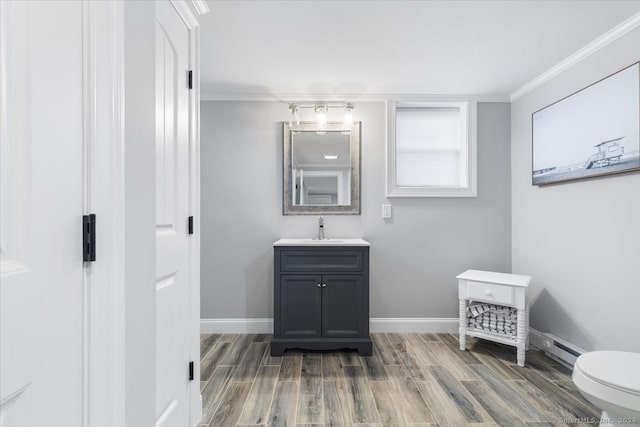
column 342, row 306
column 41, row 203
column 172, row 181
column 300, row 302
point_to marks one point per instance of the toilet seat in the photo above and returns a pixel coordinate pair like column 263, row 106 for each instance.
column 615, row 369
column 610, row 380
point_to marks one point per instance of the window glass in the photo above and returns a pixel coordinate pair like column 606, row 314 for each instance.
column 428, row 147
column 431, row 149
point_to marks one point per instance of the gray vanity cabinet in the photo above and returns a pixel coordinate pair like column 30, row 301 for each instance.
column 321, row 298
column 300, row 306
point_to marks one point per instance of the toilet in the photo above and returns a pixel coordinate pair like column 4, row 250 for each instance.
column 611, row 381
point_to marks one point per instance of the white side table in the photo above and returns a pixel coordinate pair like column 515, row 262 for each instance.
column 496, row 288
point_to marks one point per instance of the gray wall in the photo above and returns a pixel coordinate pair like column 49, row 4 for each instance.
column 140, row 270
column 414, row 257
column 581, row 240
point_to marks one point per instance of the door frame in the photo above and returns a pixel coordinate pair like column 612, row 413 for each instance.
column 104, row 181
column 104, row 345
column 189, row 11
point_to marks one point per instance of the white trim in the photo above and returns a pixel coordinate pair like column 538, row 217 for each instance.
column 167, row 413
column 195, row 397
column 185, row 12
column 414, row 324
column 104, row 299
column 200, row 6
column 469, row 125
column 12, row 399
column 189, row 10
column 391, row 324
column 236, row 326
column 597, row 44
column 286, row 98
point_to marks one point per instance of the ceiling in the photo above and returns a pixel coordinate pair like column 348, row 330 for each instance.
column 287, row 49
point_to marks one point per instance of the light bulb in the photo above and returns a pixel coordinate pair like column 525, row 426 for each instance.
column 321, row 109
column 348, row 118
column 293, row 109
column 348, row 114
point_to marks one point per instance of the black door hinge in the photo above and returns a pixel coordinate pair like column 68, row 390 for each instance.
column 190, row 371
column 190, row 225
column 89, row 237
column 190, row 79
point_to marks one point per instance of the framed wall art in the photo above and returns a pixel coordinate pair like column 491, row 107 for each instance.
column 592, row 132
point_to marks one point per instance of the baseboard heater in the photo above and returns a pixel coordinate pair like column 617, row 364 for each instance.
column 556, row 348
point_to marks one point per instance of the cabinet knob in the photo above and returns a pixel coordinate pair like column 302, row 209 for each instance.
column 324, row 285
column 318, row 285
column 488, row 292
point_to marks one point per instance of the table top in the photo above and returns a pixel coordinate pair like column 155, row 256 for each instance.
column 495, row 277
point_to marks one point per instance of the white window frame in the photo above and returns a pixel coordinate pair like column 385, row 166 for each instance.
column 470, row 125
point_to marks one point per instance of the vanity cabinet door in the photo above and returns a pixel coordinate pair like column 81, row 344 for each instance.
column 300, row 306
column 343, row 306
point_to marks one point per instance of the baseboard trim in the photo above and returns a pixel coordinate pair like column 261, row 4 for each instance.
column 236, row 326
column 377, row 324
column 414, row 324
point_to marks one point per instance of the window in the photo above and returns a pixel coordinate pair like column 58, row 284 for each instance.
column 431, row 149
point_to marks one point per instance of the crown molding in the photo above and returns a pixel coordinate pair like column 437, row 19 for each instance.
column 599, row 43
column 370, row 97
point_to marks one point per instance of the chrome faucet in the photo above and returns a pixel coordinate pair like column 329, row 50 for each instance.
column 321, row 228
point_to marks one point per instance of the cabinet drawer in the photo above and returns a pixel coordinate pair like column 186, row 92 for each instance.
column 489, row 292
column 319, row 261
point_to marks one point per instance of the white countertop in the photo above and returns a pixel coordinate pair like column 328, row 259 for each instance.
column 493, row 277
column 326, row 242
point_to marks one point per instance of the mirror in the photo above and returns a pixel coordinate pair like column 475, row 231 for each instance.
column 321, row 169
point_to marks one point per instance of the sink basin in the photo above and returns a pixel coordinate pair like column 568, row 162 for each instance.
column 325, row 242
column 322, row 242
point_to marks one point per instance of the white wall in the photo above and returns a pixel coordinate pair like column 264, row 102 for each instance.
column 581, row 240
column 414, row 257
column 140, row 213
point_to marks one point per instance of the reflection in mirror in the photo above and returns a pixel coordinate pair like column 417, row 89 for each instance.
column 321, row 168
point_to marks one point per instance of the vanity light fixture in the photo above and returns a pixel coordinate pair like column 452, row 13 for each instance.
column 321, row 109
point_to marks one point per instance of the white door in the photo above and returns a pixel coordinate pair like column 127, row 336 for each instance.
column 172, row 185
column 41, row 202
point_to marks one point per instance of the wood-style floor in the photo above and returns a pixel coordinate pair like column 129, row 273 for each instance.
column 411, row 379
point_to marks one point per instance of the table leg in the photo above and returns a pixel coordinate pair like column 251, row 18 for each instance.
column 522, row 336
column 527, row 311
column 462, row 331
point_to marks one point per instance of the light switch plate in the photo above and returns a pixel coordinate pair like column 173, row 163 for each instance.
column 386, row 211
